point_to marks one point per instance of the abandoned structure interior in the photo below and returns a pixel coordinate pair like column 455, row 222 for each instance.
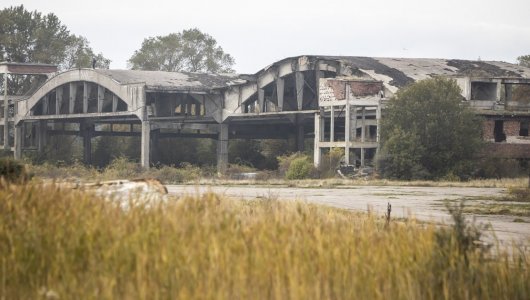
column 336, row 101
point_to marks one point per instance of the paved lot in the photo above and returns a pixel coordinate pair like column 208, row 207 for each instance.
column 424, row 203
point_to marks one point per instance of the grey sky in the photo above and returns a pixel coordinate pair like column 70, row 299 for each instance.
column 258, row 33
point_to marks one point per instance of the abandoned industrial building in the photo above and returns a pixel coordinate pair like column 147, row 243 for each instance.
column 337, row 101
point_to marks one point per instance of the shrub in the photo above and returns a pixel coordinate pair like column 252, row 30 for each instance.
column 300, row 168
column 12, row 170
column 122, row 168
column 170, row 175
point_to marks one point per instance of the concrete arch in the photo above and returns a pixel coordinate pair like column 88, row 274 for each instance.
column 133, row 94
column 276, row 74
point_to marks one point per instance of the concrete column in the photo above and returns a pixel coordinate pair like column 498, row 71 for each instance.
column 280, row 85
column 6, row 115
column 332, row 125
column 114, row 103
column 73, row 93
column 347, row 127
column 42, row 135
column 378, row 124
column 86, row 93
column 145, row 144
column 87, row 131
column 222, row 149
column 363, row 134
column 299, row 82
column 45, row 105
column 261, row 100
column 317, row 153
column 19, row 136
column 101, row 98
column 58, row 100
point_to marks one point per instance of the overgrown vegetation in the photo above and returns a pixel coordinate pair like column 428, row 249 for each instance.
column 427, row 133
column 64, row 243
column 120, row 168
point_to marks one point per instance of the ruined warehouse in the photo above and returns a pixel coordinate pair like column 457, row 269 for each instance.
column 336, row 101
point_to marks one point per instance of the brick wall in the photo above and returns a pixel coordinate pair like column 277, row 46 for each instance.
column 487, row 130
column 511, row 128
column 504, row 150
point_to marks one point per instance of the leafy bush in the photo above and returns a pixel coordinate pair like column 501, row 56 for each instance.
column 12, row 170
column 300, row 168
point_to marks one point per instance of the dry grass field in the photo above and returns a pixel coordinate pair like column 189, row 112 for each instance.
column 67, row 244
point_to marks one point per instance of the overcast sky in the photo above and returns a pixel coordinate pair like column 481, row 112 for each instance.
column 257, row 33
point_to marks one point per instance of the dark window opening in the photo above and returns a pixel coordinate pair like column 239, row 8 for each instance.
column 523, row 130
column 484, row 91
column 498, row 131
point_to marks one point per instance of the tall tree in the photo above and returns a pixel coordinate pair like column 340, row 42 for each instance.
column 427, row 133
column 524, row 60
column 190, row 50
column 27, row 36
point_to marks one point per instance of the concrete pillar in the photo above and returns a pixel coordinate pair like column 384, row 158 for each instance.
column 19, row 136
column 114, row 103
column 42, row 135
column 261, row 100
column 145, row 144
column 222, row 149
column 87, row 131
column 332, row 125
column 6, row 115
column 347, row 127
column 280, row 85
column 86, row 93
column 317, row 152
column 299, row 82
column 318, row 74
column 58, row 100
column 101, row 98
column 363, row 134
column 73, row 93
column 45, row 105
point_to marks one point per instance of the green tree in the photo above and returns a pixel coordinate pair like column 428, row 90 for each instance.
column 427, row 132
column 190, row 50
column 524, row 60
column 31, row 37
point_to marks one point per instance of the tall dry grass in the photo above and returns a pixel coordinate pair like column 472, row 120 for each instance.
column 64, row 243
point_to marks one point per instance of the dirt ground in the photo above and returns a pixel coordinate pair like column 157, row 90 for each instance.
column 423, row 203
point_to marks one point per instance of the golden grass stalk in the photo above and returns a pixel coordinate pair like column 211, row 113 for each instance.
column 74, row 245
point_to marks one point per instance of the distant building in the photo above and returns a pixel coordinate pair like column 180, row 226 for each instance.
column 336, row 99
